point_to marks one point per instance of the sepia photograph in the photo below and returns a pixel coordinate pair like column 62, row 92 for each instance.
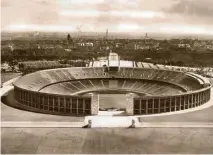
column 106, row 77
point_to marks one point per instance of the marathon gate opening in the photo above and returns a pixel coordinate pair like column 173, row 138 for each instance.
column 117, row 102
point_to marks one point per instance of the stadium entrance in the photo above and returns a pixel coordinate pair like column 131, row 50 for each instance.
column 112, row 102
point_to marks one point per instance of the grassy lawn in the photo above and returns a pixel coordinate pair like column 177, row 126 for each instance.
column 112, row 101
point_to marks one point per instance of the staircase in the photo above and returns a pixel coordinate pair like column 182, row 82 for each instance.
column 109, row 121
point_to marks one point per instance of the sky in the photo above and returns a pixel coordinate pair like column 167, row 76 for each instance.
column 134, row 16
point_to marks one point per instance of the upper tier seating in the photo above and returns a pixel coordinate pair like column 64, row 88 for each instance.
column 40, row 79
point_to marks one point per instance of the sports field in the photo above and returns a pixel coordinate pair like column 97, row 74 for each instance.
column 112, row 101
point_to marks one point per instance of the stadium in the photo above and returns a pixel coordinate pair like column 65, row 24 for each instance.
column 147, row 89
column 110, row 106
column 106, row 77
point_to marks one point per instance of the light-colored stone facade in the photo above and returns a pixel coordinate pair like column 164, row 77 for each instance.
column 129, row 106
column 95, row 104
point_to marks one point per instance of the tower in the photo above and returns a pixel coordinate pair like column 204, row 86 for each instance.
column 106, row 34
column 146, row 35
column 105, row 41
column 68, row 37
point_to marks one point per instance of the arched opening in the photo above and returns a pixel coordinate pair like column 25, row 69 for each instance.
column 112, row 102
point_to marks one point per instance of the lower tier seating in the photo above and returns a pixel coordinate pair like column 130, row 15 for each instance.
column 79, row 86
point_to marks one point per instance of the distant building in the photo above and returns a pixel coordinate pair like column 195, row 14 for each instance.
column 84, row 44
column 118, row 45
column 68, row 37
column 184, row 45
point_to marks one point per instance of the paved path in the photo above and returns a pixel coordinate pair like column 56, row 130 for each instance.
column 107, row 123
column 107, row 141
column 42, row 124
column 175, row 125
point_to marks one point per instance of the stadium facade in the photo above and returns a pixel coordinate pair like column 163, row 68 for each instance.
column 150, row 89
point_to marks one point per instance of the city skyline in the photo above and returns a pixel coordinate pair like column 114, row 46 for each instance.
column 135, row 16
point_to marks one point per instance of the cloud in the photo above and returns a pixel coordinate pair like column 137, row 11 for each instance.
column 196, row 8
column 29, row 12
column 30, row 27
column 149, row 15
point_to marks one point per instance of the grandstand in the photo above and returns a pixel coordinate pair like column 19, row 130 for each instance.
column 137, row 86
column 155, row 86
column 49, row 77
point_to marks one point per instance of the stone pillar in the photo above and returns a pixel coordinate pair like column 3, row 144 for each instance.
column 184, row 101
column 77, row 106
column 158, row 105
column 193, row 100
column 199, row 99
column 146, row 106
column 153, row 106
column 188, row 101
column 48, row 102
column 165, row 104
column 95, row 104
column 130, row 106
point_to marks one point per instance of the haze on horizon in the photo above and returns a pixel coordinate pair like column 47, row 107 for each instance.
column 134, row 16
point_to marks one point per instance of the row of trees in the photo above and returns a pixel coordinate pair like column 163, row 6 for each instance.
column 167, row 56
